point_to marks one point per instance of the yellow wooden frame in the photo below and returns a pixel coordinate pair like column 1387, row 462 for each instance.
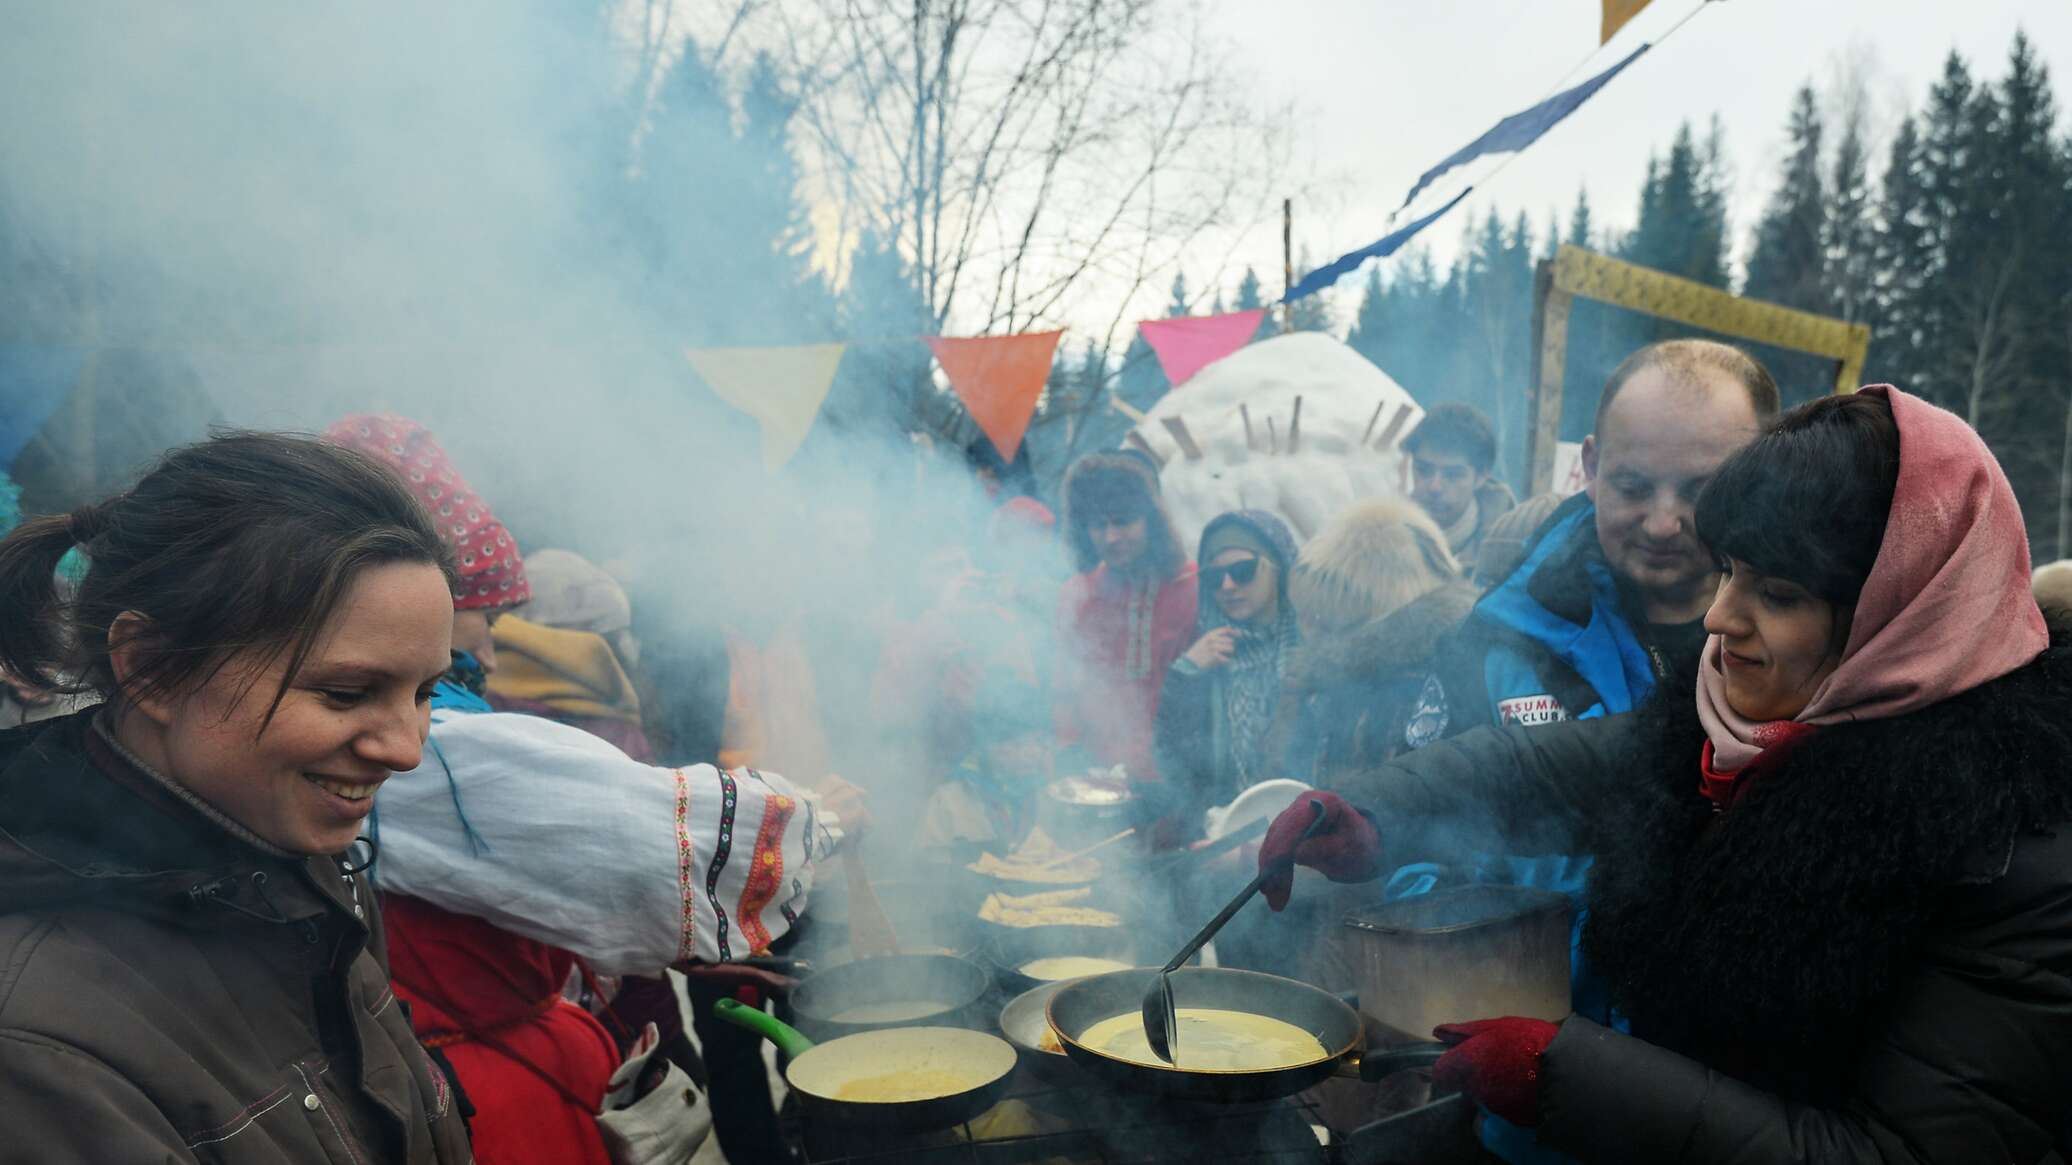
column 1574, row 272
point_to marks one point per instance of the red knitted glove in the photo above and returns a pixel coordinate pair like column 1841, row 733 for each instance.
column 1346, row 848
column 1497, row 1063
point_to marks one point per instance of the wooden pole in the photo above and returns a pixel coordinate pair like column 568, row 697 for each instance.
column 1374, row 420
column 1295, row 426
column 1287, row 262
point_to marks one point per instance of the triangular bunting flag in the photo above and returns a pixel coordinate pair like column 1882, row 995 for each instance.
column 783, row 388
column 1616, row 14
column 998, row 378
column 1187, row 344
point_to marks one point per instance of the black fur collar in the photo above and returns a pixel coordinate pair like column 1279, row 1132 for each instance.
column 1763, row 940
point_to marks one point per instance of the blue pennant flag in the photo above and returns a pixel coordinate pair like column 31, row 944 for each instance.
column 1329, row 273
column 1520, row 130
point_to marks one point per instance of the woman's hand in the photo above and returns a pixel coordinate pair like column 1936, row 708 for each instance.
column 1214, row 649
column 849, row 803
column 1497, row 1063
column 1346, row 848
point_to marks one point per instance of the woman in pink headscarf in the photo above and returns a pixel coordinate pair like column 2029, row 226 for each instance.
column 1832, row 899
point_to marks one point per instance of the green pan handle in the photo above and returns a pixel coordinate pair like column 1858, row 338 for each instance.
column 755, row 1019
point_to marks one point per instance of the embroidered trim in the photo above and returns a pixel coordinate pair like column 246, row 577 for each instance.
column 687, row 925
column 1142, row 606
column 730, row 795
column 765, row 871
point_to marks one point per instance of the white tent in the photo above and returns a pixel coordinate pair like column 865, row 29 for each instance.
column 1229, row 438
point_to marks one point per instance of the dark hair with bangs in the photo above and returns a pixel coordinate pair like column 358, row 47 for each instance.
column 1808, row 499
column 1122, row 485
column 245, row 541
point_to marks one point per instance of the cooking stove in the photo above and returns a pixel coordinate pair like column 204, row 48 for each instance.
column 1081, row 1125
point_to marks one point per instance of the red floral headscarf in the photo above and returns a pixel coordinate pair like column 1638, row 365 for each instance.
column 492, row 574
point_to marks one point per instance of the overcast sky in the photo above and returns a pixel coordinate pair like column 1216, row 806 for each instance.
column 1389, row 87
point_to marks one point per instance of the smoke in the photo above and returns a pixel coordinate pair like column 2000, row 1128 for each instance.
column 318, row 210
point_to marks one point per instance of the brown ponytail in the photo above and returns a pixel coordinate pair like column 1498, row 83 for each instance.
column 244, row 541
column 33, row 644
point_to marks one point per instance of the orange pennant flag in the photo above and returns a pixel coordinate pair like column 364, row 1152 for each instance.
column 1616, row 14
column 998, row 378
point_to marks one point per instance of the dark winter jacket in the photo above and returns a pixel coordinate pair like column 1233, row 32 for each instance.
column 1354, row 691
column 1193, row 736
column 1867, row 959
column 170, row 993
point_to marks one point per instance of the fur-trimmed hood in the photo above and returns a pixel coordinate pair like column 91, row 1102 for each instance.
column 1404, row 640
column 1765, row 940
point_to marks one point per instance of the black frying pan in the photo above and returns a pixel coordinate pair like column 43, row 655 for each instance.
column 890, row 991
column 1082, row 1003
column 975, row 1067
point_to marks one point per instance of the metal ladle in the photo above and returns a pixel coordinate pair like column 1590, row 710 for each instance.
column 1161, row 1022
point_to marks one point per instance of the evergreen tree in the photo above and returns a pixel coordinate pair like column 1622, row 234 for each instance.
column 1311, row 313
column 1849, row 232
column 1248, row 292
column 1682, row 227
column 1249, row 297
column 1369, row 334
column 1905, row 249
column 1179, row 306
column 1788, row 264
column 1581, row 231
column 885, row 382
column 717, row 229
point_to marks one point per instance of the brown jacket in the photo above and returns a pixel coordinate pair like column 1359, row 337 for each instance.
column 170, row 993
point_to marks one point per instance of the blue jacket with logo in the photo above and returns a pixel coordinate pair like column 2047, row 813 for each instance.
column 1550, row 642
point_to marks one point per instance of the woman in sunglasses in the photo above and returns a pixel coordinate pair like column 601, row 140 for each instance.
column 1222, row 717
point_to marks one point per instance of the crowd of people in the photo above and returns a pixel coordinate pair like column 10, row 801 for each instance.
column 338, row 827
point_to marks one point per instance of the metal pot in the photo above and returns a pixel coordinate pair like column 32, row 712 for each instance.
column 1082, row 809
column 1470, row 952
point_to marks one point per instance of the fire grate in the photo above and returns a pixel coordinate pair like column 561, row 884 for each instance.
column 1040, row 1124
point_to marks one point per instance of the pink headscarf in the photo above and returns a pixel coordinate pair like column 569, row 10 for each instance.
column 1946, row 608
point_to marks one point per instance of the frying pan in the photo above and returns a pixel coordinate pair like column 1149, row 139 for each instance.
column 1024, row 1023
column 817, row 1073
column 943, row 988
column 1012, row 948
column 1082, row 1003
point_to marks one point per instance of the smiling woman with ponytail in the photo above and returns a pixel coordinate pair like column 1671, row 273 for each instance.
column 194, row 961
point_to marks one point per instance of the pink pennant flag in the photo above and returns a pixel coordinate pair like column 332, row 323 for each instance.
column 1188, row 344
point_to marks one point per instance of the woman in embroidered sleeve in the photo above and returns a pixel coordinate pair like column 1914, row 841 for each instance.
column 196, row 969
column 1833, row 896
column 521, row 845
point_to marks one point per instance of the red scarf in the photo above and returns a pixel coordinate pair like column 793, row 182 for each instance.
column 1776, row 740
